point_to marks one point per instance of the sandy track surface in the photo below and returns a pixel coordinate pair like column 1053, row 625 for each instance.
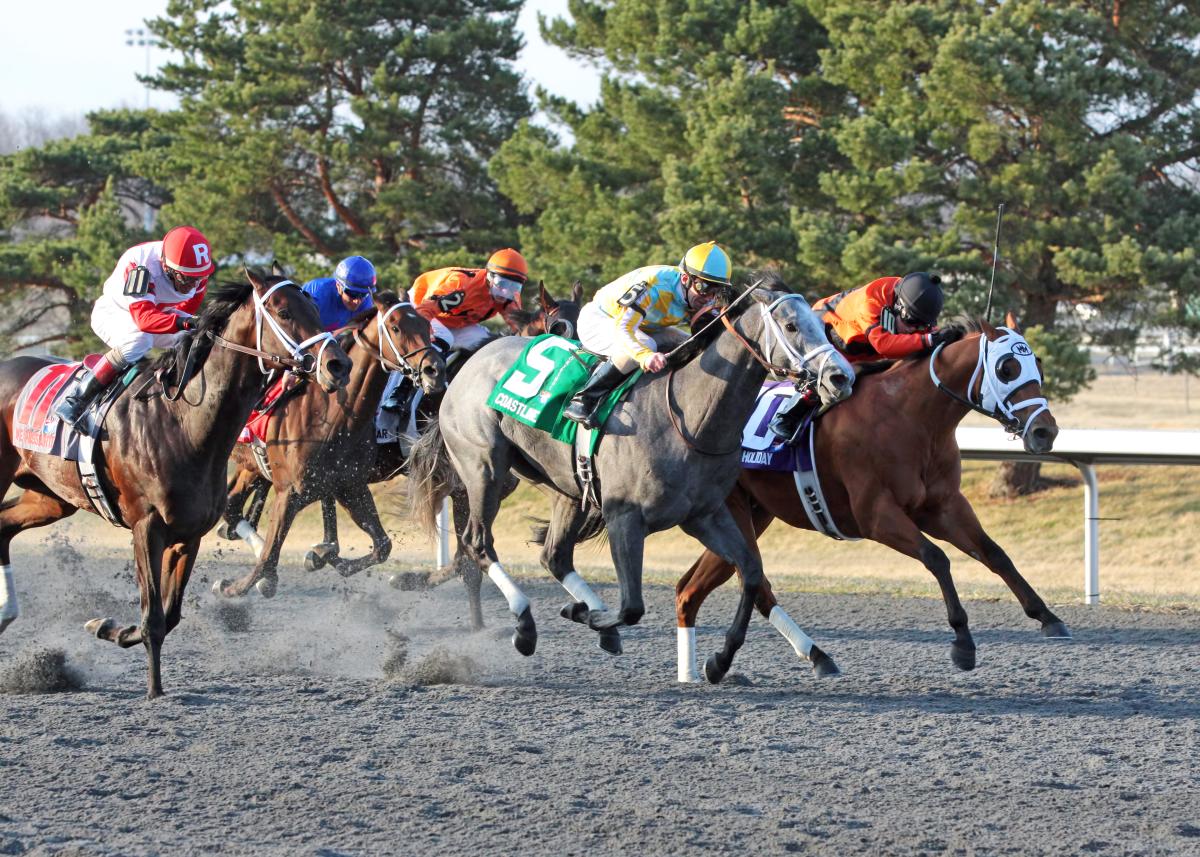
column 303, row 733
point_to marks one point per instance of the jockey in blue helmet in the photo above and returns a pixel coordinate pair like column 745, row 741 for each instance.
column 344, row 295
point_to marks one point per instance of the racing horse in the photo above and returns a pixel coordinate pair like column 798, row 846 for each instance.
column 322, row 447
column 165, row 449
column 668, row 458
column 552, row 316
column 890, row 472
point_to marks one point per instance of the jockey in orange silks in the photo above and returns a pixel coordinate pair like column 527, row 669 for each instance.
column 148, row 302
column 888, row 318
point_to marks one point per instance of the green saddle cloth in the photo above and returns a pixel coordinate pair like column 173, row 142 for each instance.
column 542, row 381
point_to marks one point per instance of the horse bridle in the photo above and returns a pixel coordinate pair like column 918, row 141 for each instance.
column 995, row 395
column 302, row 360
column 566, row 326
column 401, row 363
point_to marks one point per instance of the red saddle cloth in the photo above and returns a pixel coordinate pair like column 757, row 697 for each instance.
column 256, row 426
column 34, row 425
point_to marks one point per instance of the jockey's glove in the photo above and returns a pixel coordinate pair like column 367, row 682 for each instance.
column 944, row 336
column 186, row 323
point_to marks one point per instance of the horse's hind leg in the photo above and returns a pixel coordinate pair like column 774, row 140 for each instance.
column 558, row 557
column 357, row 500
column 32, row 509
column 326, row 552
column 956, row 523
column 470, row 570
column 719, row 532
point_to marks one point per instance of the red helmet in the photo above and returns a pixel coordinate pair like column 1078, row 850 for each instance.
column 186, row 251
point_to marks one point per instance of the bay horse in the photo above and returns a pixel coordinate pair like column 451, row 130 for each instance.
column 389, row 459
column 322, row 447
column 165, row 456
column 666, row 458
column 890, row 471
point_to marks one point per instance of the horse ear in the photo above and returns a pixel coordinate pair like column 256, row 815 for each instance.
column 576, row 291
column 1010, row 321
column 547, row 301
column 253, row 277
column 277, row 269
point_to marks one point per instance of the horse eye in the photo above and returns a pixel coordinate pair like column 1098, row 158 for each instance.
column 1009, row 369
column 285, row 315
column 790, row 327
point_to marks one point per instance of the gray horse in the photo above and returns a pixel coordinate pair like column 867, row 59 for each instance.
column 669, row 456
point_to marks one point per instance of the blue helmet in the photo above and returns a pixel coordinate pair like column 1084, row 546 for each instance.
column 355, row 274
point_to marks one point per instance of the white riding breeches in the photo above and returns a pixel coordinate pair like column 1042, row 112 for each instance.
column 464, row 338
column 120, row 333
column 598, row 333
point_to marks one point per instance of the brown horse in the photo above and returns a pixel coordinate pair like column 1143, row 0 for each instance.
column 388, row 459
column 165, row 457
column 890, row 472
column 322, row 447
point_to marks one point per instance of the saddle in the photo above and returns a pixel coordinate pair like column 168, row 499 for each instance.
column 36, row 428
column 255, row 430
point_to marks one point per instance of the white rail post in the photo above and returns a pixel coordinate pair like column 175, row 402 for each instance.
column 1091, row 534
column 443, row 529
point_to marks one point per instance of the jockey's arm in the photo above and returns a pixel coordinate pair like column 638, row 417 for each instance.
column 896, row 345
column 150, row 318
column 627, row 325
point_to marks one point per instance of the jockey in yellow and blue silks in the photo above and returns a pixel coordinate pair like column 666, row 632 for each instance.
column 633, row 318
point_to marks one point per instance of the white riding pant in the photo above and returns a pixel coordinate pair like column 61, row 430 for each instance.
column 120, row 333
column 597, row 332
column 466, row 338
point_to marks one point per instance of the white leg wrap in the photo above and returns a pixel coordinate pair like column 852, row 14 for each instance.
column 686, row 643
column 580, row 591
column 8, row 596
column 783, row 623
column 250, row 536
column 517, row 602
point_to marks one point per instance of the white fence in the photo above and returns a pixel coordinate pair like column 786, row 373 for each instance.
column 1086, row 448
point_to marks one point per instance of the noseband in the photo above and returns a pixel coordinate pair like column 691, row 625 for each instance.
column 995, row 395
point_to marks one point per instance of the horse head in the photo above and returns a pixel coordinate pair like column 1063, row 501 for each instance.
column 793, row 337
column 1006, row 383
column 553, row 316
column 287, row 327
column 402, row 340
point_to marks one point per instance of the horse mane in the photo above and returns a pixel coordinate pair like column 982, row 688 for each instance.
column 520, row 316
column 221, row 304
column 381, row 301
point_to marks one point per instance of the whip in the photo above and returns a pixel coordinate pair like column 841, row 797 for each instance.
column 987, row 313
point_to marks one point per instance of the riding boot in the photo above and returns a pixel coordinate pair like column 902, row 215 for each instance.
column 84, row 391
column 397, row 401
column 605, row 378
column 790, row 416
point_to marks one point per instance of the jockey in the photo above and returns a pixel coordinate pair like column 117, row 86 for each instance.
column 456, row 300
column 888, row 318
column 342, row 296
column 633, row 317
column 148, row 302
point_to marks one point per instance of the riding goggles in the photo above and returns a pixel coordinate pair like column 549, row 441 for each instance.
column 503, row 288
column 183, row 283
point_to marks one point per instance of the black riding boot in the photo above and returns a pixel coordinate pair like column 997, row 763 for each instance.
column 604, row 379
column 790, row 417
column 71, row 407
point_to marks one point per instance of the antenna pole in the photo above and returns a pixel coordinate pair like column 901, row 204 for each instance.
column 987, row 313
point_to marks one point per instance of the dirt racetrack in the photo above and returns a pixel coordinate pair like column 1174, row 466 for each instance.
column 285, row 736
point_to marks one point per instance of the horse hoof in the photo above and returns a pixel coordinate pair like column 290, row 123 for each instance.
column 576, row 611
column 524, row 643
column 225, row 531
column 266, row 587
column 963, row 657
column 313, row 561
column 99, row 627
column 219, row 585
column 610, row 641
column 713, row 671
column 1056, row 631
column 823, row 665
column 602, row 620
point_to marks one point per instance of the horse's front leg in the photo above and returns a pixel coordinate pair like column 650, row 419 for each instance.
column 626, row 541
column 326, row 552
column 237, row 490
column 149, row 544
column 718, row 532
column 178, row 561
column 357, row 500
column 955, row 522
column 264, row 574
column 558, row 557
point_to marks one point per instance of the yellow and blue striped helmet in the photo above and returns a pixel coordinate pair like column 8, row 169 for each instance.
column 709, row 263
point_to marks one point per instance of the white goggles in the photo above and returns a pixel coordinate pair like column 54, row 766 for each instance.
column 503, row 288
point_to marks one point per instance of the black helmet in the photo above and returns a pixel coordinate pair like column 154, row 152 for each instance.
column 919, row 299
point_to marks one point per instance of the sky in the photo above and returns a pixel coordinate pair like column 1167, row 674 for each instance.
column 65, row 58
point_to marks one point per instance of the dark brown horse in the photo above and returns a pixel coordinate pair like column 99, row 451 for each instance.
column 165, row 458
column 890, row 472
column 322, row 447
column 388, row 460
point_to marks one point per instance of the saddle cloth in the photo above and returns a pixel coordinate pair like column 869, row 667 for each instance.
column 35, row 427
column 256, row 427
column 536, row 388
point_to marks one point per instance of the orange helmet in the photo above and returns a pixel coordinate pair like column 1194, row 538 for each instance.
column 509, row 263
column 186, row 251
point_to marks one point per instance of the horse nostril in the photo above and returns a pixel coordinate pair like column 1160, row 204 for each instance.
column 339, row 367
column 838, row 379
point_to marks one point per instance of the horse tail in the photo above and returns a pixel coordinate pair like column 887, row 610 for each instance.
column 593, row 525
column 431, row 476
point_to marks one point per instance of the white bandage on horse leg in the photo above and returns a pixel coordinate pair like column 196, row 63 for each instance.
column 580, row 591
column 8, row 596
column 517, row 602
column 783, row 623
column 250, row 536
column 686, row 647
